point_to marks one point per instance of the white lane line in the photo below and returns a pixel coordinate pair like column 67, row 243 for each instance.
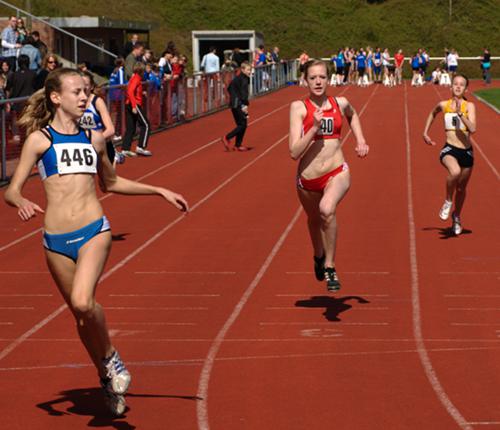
column 415, row 290
column 18, row 272
column 152, row 323
column 9, row 348
column 6, row 323
column 26, row 295
column 476, row 145
column 163, row 272
column 171, row 163
column 475, row 309
column 310, row 293
column 484, row 423
column 459, row 324
column 469, row 273
column 202, row 405
column 330, row 323
column 16, row 308
column 473, row 296
column 164, row 295
column 344, row 273
column 199, row 361
column 149, row 308
column 363, row 308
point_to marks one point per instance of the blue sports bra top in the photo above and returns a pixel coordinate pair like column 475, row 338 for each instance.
column 67, row 154
column 91, row 118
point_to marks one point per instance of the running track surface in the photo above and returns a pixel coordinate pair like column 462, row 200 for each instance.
column 217, row 313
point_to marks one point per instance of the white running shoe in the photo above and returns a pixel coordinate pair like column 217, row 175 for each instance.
column 444, row 213
column 129, row 153
column 457, row 225
column 119, row 157
column 117, row 374
column 142, row 151
column 117, row 138
column 114, row 402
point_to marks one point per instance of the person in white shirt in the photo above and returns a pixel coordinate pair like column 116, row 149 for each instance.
column 452, row 61
column 210, row 62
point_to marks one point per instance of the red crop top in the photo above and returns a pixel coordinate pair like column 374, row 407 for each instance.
column 331, row 124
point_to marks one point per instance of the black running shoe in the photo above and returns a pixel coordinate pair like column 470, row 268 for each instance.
column 319, row 268
column 332, row 280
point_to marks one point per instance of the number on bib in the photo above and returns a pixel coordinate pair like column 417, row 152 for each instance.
column 75, row 158
column 326, row 127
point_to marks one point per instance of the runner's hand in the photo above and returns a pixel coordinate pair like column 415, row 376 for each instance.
column 428, row 140
column 317, row 117
column 175, row 199
column 28, row 210
column 362, row 149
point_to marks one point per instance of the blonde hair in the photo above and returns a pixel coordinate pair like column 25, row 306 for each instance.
column 39, row 109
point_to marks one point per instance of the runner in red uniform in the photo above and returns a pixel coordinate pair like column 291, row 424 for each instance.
column 323, row 176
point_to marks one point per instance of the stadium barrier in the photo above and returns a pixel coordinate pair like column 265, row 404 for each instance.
column 173, row 103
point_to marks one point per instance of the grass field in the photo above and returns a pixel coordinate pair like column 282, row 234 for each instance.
column 491, row 95
column 319, row 27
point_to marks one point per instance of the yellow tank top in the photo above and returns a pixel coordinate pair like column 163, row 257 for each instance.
column 452, row 121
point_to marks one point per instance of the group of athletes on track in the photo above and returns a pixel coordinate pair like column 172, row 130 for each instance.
column 67, row 142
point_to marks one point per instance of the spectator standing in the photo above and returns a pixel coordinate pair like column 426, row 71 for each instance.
column 38, row 44
column 237, row 57
column 10, row 44
column 20, row 84
column 116, row 96
column 129, row 46
column 132, row 58
column 49, row 63
column 5, row 70
column 22, row 32
column 238, row 91
column 452, row 61
column 377, row 65
column 165, row 64
column 32, row 52
column 399, row 59
column 135, row 115
column 210, row 62
column 486, row 66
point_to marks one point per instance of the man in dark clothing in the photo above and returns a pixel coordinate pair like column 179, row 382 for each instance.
column 238, row 58
column 238, row 91
column 38, row 44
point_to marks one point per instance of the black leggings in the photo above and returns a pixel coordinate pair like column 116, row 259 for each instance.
column 132, row 119
column 241, row 125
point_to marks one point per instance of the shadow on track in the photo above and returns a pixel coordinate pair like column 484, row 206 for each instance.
column 333, row 305
column 446, row 232
column 90, row 402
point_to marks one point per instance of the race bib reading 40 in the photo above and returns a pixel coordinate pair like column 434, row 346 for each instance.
column 326, row 127
column 76, row 158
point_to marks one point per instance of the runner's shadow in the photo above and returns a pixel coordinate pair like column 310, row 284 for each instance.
column 333, row 305
column 446, row 232
column 91, row 402
column 119, row 237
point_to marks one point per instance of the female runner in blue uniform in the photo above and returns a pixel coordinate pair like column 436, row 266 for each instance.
column 323, row 176
column 457, row 155
column 77, row 236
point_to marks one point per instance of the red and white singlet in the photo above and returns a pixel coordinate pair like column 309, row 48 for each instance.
column 331, row 123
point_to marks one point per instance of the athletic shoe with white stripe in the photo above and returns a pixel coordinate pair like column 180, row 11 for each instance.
column 114, row 402
column 457, row 225
column 142, row 151
column 444, row 213
column 117, row 374
column 332, row 280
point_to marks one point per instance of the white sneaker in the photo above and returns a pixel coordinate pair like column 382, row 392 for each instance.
column 117, row 374
column 114, row 402
column 129, row 153
column 117, row 138
column 119, row 157
column 444, row 213
column 457, row 225
column 142, row 151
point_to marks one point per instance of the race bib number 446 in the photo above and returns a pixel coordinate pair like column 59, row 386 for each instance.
column 76, row 158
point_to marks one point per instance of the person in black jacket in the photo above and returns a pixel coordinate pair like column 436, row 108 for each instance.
column 238, row 91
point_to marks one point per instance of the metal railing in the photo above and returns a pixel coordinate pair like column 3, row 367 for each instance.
column 76, row 39
column 174, row 102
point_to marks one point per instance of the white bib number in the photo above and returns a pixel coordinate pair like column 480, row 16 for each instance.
column 326, row 128
column 87, row 121
column 75, row 158
column 453, row 122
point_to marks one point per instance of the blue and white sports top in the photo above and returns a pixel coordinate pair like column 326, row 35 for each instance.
column 91, row 118
column 67, row 154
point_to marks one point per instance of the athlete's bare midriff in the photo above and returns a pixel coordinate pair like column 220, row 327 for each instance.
column 322, row 157
column 458, row 138
column 71, row 203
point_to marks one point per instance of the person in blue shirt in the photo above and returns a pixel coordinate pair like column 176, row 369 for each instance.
column 339, row 67
column 377, row 65
column 361, row 63
column 117, row 96
column 415, row 67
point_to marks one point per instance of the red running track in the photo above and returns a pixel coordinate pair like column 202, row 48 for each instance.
column 218, row 315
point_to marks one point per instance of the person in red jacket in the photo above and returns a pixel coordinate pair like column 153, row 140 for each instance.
column 134, row 115
column 399, row 59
